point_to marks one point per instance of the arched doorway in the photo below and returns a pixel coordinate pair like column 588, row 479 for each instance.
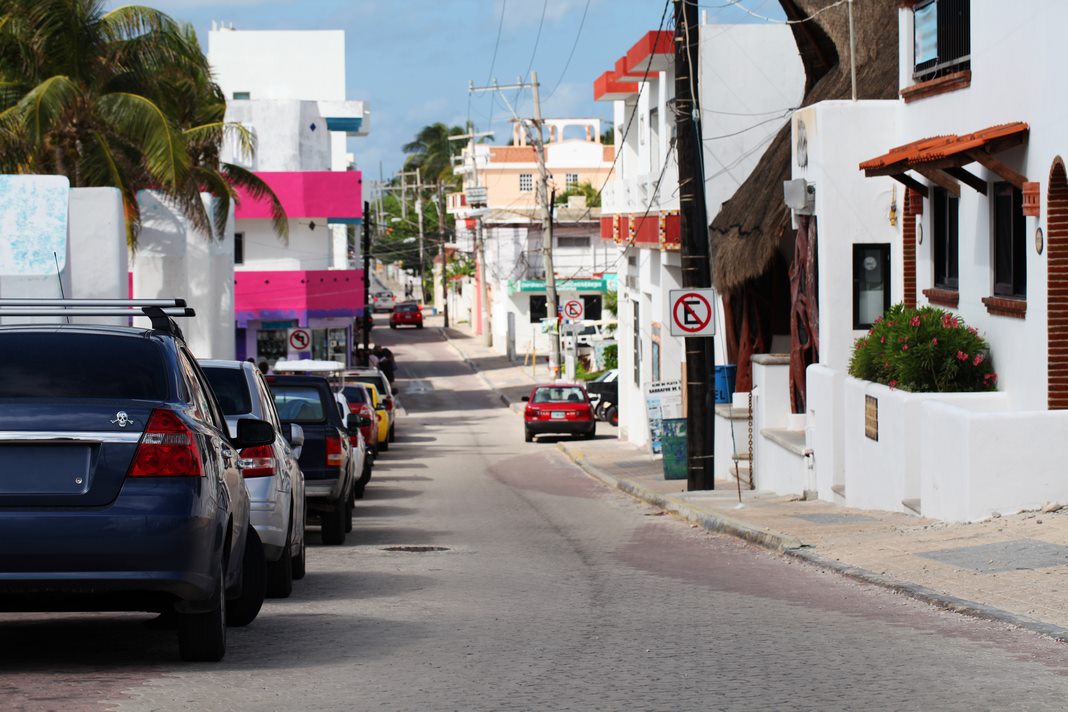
column 1057, row 285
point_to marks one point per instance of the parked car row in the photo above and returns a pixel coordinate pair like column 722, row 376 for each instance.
column 137, row 478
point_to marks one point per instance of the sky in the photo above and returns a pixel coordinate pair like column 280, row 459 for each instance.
column 411, row 60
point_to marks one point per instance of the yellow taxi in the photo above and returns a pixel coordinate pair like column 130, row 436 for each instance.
column 381, row 415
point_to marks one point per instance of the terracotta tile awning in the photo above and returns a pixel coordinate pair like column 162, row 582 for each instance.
column 941, row 159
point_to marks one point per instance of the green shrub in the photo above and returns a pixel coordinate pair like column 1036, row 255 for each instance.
column 924, row 350
column 611, row 356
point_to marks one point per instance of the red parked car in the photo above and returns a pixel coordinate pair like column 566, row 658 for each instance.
column 360, row 404
column 406, row 314
column 558, row 408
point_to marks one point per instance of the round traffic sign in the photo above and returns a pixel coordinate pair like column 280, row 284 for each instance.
column 574, row 309
column 691, row 312
column 299, row 339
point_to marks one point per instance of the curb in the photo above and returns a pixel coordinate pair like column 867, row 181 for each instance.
column 474, row 368
column 792, row 547
column 712, row 522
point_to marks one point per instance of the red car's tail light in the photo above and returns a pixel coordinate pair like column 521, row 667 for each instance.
column 257, row 461
column 389, row 404
column 334, row 456
column 168, row 448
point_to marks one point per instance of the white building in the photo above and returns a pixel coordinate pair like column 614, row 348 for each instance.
column 584, row 266
column 288, row 89
column 956, row 192
column 750, row 79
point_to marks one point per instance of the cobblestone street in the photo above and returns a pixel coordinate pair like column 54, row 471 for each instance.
column 484, row 573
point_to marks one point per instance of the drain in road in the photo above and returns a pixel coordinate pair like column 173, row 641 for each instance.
column 416, row 549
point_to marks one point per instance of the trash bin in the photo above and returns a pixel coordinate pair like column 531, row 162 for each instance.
column 674, row 449
column 725, row 382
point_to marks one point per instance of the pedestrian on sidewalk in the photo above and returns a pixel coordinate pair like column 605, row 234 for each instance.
column 386, row 362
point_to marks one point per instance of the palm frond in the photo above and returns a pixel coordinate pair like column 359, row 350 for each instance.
column 41, row 107
column 143, row 122
column 214, row 133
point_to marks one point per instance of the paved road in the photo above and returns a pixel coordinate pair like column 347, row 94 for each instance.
column 549, row 593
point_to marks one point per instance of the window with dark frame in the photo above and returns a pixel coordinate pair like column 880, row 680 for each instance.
column 941, row 36
column 945, row 207
column 526, row 182
column 871, row 283
column 592, row 306
column 1010, row 250
column 637, row 344
column 239, row 248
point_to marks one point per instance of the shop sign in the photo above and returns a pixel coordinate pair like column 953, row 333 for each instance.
column 563, row 285
column 871, row 418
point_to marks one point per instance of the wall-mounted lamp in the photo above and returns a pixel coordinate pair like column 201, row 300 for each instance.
column 893, row 206
column 311, row 225
column 919, row 233
column 1040, row 240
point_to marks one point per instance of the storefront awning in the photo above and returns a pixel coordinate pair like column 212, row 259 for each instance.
column 941, row 159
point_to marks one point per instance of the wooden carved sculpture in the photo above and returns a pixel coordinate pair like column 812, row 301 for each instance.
column 804, row 311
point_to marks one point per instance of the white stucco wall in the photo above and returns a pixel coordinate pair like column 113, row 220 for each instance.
column 97, row 248
column 850, row 208
column 307, row 248
column 751, row 76
column 174, row 260
column 279, row 64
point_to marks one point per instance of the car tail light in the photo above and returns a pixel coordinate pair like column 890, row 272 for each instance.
column 257, row 461
column 354, row 407
column 354, row 440
column 168, row 448
column 333, row 451
column 389, row 404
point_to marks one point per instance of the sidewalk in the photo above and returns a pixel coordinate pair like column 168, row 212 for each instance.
column 1012, row 568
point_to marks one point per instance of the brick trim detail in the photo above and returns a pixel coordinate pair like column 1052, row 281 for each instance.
column 913, row 206
column 943, row 297
column 1057, row 284
column 1002, row 306
column 934, row 87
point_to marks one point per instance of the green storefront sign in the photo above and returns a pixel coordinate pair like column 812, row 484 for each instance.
column 564, row 285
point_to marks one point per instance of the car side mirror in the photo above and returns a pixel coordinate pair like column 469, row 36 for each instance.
column 364, row 421
column 395, row 391
column 526, row 398
column 294, row 434
column 252, row 433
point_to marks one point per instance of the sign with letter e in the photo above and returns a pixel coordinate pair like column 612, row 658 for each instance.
column 692, row 312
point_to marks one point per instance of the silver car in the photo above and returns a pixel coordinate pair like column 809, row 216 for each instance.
column 272, row 476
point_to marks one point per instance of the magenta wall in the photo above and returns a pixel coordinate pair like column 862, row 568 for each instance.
column 308, row 194
column 297, row 294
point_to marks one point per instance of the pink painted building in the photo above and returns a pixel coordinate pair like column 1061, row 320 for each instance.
column 301, row 121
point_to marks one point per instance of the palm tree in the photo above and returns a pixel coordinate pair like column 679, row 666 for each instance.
column 432, row 152
column 122, row 99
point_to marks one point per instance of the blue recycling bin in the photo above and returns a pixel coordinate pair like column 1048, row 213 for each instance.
column 725, row 382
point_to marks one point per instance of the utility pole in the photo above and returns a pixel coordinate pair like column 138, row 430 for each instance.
column 444, row 255
column 366, row 282
column 422, row 238
column 538, row 139
column 480, row 243
column 696, row 267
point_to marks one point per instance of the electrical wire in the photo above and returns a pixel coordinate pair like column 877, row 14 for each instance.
column 493, row 61
column 737, row 4
column 571, row 54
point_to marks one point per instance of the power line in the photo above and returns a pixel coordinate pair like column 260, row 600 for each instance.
column 737, row 4
column 570, row 54
column 493, row 61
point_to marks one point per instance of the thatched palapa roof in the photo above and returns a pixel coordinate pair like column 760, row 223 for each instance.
column 747, row 232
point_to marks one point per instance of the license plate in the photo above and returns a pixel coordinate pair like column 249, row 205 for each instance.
column 559, row 415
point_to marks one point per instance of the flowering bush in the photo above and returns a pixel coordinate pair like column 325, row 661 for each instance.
column 924, row 350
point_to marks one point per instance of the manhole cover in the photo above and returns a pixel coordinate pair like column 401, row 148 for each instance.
column 416, row 549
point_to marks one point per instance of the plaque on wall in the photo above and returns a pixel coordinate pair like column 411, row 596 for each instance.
column 871, row 417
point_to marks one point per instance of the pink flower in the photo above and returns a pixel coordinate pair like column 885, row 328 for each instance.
column 961, row 356
column 949, row 321
column 882, row 339
column 978, row 360
column 914, row 321
column 935, row 341
column 972, row 330
column 892, row 384
column 905, row 347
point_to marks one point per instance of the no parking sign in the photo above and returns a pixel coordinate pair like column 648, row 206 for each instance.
column 574, row 309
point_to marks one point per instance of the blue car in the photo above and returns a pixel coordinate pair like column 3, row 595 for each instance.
column 120, row 488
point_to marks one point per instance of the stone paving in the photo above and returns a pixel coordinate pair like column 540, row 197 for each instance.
column 1011, row 568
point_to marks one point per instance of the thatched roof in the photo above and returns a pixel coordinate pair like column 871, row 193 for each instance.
column 749, row 229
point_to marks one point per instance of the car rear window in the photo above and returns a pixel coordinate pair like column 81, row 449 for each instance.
column 81, row 365
column 406, row 308
column 373, row 381
column 231, row 389
column 355, row 394
column 298, row 404
column 563, row 394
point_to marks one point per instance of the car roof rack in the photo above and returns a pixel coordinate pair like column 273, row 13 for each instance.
column 160, row 312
